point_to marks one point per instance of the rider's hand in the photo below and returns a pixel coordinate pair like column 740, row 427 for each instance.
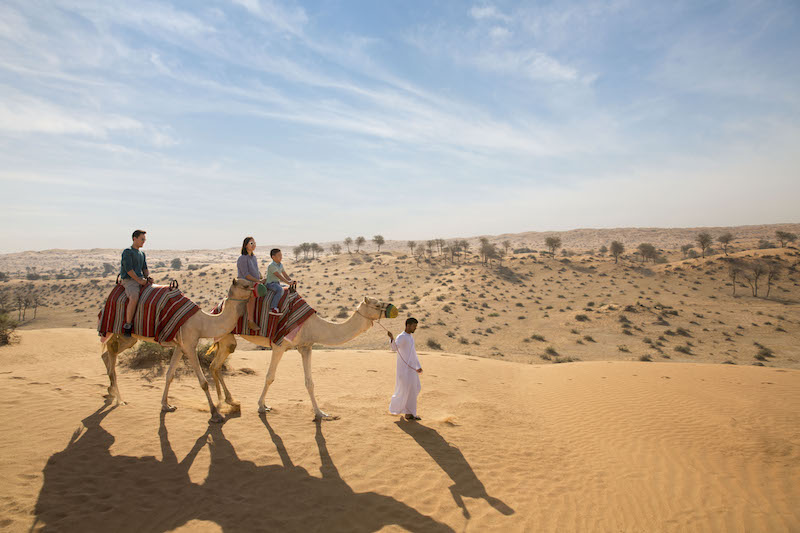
column 419, row 371
column 390, row 335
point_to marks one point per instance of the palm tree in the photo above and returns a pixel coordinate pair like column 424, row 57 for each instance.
column 347, row 242
column 379, row 241
column 359, row 243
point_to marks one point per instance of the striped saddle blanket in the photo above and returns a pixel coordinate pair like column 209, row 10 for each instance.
column 160, row 313
column 294, row 312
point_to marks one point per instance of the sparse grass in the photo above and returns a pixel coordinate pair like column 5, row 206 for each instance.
column 582, row 318
column 683, row 349
column 433, row 345
column 645, row 358
column 551, row 351
column 537, row 337
column 589, row 338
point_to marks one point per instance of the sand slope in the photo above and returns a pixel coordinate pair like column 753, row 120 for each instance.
column 605, row 446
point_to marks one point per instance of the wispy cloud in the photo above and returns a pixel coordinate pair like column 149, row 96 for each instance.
column 488, row 12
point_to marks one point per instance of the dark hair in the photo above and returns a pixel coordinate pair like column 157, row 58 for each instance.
column 274, row 251
column 411, row 320
column 137, row 233
column 244, row 244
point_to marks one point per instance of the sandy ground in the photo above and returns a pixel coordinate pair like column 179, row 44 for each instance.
column 503, row 446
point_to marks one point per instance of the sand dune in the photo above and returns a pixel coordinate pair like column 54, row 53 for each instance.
column 604, row 446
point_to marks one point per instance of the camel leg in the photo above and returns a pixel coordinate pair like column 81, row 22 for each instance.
column 277, row 353
column 190, row 348
column 113, row 347
column 305, row 352
column 176, row 356
column 226, row 347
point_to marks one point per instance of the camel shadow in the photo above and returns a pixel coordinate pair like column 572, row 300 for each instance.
column 87, row 488
column 452, row 461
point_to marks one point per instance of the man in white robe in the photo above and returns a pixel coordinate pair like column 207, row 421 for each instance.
column 407, row 384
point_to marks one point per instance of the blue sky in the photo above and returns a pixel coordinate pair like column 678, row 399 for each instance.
column 206, row 121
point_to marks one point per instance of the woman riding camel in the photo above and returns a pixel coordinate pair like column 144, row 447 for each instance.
column 247, row 266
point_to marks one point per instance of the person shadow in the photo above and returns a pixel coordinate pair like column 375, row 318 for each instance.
column 452, row 461
column 86, row 488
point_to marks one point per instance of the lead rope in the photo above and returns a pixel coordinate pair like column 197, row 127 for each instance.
column 387, row 331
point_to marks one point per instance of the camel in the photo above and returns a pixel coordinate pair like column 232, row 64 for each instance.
column 200, row 325
column 315, row 330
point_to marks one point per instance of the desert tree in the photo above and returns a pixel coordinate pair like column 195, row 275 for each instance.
column 647, row 251
column 785, row 237
column 306, row 247
column 359, row 243
column 297, row 250
column 347, row 242
column 430, row 246
column 379, row 241
column 176, row 264
column 685, row 250
column 617, row 248
column 603, row 250
column 506, row 246
column 725, row 240
column 752, row 273
column 411, row 245
column 463, row 245
column 488, row 251
column 734, row 271
column 704, row 240
column 316, row 250
column 108, row 268
column 773, row 274
column 553, row 244
column 336, row 249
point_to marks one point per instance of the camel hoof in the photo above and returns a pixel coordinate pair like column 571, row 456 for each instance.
column 324, row 416
column 233, row 403
column 168, row 408
column 264, row 409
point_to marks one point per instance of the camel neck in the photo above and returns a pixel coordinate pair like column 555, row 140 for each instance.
column 331, row 334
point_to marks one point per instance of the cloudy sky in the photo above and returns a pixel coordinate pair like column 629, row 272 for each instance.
column 202, row 122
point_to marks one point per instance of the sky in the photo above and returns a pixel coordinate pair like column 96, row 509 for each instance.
column 204, row 122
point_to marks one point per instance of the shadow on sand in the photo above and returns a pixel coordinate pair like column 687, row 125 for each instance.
column 452, row 461
column 86, row 488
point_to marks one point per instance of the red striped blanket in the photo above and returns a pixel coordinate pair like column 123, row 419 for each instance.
column 294, row 311
column 160, row 313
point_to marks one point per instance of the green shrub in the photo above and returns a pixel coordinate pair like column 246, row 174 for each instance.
column 7, row 327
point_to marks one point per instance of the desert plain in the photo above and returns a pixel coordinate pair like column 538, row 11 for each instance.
column 572, row 391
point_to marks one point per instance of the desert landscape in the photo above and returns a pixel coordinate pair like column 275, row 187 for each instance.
column 566, row 391
column 542, row 266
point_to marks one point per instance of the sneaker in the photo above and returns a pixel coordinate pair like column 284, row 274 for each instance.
column 275, row 312
column 126, row 330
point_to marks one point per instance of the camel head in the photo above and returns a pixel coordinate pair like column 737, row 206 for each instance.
column 240, row 289
column 375, row 310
